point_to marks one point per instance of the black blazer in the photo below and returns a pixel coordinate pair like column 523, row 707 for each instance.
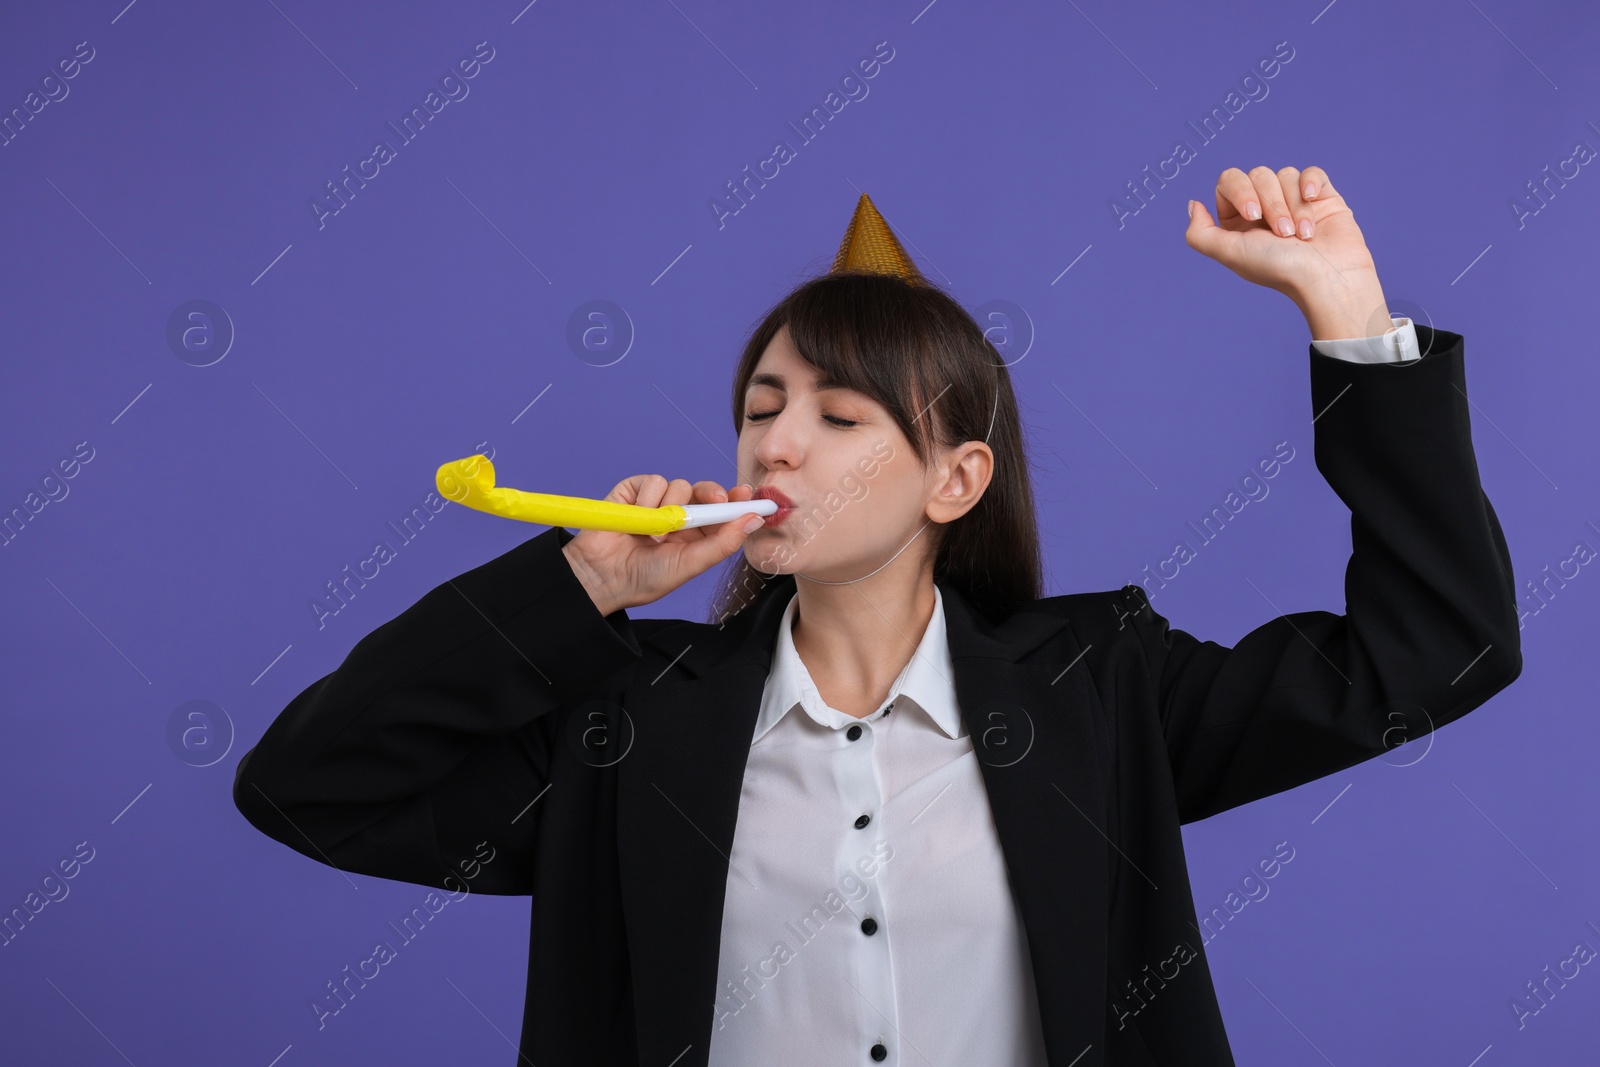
column 601, row 757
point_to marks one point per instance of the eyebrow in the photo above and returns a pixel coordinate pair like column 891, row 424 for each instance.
column 824, row 382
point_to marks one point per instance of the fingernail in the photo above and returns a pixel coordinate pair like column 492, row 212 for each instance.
column 1305, row 229
column 1311, row 190
column 1286, row 227
column 1252, row 211
column 1191, row 209
column 755, row 521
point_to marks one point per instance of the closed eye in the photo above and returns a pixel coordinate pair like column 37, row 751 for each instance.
column 758, row 416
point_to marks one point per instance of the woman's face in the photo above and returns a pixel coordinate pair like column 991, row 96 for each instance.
column 859, row 493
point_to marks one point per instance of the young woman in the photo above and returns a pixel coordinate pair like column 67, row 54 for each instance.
column 890, row 804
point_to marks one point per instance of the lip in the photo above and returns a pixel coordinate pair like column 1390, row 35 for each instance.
column 785, row 505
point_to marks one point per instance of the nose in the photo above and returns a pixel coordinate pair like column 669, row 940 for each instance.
column 779, row 445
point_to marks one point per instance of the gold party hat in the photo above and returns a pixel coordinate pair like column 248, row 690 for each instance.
column 869, row 245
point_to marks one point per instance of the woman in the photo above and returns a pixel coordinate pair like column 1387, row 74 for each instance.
column 890, row 805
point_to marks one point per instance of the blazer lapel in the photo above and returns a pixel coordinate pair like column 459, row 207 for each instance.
column 677, row 801
column 1036, row 731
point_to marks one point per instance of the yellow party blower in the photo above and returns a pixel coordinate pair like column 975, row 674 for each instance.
column 470, row 481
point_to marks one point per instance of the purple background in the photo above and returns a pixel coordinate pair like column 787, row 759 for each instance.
column 428, row 314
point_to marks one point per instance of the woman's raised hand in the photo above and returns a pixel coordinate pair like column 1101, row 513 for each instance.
column 1292, row 231
column 622, row 570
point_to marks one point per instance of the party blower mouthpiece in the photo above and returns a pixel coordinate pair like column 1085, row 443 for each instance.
column 470, row 481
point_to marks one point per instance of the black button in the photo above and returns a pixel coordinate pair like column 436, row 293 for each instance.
column 862, row 821
column 869, row 926
column 853, row 733
column 879, row 1052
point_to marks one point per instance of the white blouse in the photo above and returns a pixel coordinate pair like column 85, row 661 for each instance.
column 868, row 915
column 1397, row 344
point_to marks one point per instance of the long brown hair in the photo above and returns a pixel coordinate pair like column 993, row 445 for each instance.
column 913, row 349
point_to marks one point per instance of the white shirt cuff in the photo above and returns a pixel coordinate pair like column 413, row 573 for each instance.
column 1398, row 345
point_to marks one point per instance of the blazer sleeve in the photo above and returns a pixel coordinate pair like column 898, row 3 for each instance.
column 1430, row 629
column 437, row 725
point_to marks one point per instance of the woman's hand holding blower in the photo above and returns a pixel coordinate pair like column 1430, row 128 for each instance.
column 644, row 539
column 622, row 570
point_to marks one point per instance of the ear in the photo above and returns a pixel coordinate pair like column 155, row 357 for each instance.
column 963, row 475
